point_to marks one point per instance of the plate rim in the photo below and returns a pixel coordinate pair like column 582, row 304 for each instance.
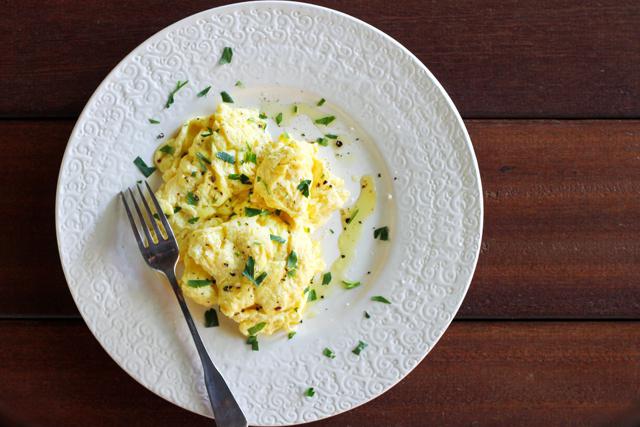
column 456, row 114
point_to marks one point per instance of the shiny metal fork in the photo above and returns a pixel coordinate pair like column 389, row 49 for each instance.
column 162, row 256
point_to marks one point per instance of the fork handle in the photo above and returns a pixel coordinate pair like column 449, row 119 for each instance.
column 226, row 411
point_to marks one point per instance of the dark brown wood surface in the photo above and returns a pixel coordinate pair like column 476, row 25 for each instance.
column 481, row 373
column 496, row 58
column 561, row 244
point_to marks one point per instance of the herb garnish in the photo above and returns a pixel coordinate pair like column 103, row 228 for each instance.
column 329, row 353
column 143, row 168
column 291, row 334
column 226, row 97
column 325, row 120
column 366, row 315
column 277, row 238
column 361, row 346
column 204, row 158
column 326, row 278
column 304, row 187
column 382, row 233
column 179, row 86
column 255, row 212
column 177, row 209
column 331, row 136
column 154, row 121
column 310, row 392
column 379, row 298
column 350, row 285
column 321, row 102
column 167, row 149
column 254, row 343
column 278, row 119
column 292, row 263
column 240, row 177
column 322, row 141
column 249, row 155
column 249, row 271
column 193, row 220
column 262, row 116
column 226, row 157
column 197, row 283
column 227, row 54
column 239, row 84
column 192, row 199
column 211, row 318
column 209, row 132
column 256, row 328
column 203, row 92
column 295, row 108
column 311, row 296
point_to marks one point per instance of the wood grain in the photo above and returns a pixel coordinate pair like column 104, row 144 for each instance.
column 481, row 373
column 496, row 58
column 562, row 220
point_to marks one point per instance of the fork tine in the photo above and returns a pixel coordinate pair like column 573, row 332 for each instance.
column 143, row 223
column 161, row 214
column 133, row 224
column 150, row 214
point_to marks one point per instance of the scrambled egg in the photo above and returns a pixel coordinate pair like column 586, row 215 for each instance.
column 243, row 208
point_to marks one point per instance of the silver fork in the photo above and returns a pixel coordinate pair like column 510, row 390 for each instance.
column 163, row 256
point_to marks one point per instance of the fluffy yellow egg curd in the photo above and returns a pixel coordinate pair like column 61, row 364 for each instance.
column 243, row 209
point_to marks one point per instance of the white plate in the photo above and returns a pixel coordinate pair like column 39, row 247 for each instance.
column 429, row 196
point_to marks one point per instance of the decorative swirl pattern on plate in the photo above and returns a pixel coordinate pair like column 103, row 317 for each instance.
column 437, row 193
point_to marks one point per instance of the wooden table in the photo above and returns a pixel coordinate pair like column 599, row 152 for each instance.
column 549, row 332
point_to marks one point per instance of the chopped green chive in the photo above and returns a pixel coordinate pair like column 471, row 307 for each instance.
column 203, row 92
column 167, row 149
column 249, row 271
column 239, row 84
column 311, row 296
column 193, row 220
column 295, row 108
column 226, row 157
column 250, row 156
column 227, row 54
column 277, row 238
column 304, row 187
column 352, row 217
column 325, row 120
column 278, row 119
column 361, row 346
column 381, row 299
column 331, row 136
column 326, row 278
column 291, row 334
column 256, row 328
column 350, row 285
column 192, row 199
column 253, row 341
column 156, row 216
column 292, row 263
column 177, row 209
column 143, row 168
column 263, row 116
column 179, row 86
column 209, row 132
column 310, row 392
column 154, row 121
column 211, row 318
column 322, row 141
column 329, row 353
column 254, row 212
column 381, row 233
column 366, row 315
column 226, row 97
column 240, row 177
column 195, row 283
column 321, row 102
column 203, row 158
